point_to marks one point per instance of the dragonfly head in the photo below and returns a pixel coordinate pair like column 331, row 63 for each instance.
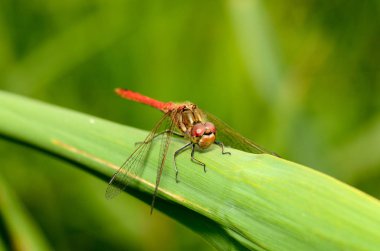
column 203, row 134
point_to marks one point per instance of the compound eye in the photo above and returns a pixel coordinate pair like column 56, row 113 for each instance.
column 210, row 126
column 198, row 130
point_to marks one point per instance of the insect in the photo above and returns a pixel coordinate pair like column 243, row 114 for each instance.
column 184, row 120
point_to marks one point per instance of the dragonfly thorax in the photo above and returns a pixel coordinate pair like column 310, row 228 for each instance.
column 188, row 116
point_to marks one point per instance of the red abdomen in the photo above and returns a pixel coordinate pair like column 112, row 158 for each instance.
column 137, row 97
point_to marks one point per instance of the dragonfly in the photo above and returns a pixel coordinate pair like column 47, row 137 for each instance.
column 185, row 120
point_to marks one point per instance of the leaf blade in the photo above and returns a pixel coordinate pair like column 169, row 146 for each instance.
column 244, row 201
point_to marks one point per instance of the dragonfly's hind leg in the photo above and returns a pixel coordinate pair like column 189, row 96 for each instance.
column 195, row 160
column 175, row 155
column 158, row 134
column 222, row 146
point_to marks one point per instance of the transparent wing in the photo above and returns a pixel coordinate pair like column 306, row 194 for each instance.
column 229, row 137
column 133, row 166
column 165, row 142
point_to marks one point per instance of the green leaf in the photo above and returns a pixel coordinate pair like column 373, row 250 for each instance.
column 23, row 232
column 244, row 201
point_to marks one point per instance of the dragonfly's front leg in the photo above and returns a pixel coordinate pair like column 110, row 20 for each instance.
column 195, row 160
column 222, row 146
column 175, row 155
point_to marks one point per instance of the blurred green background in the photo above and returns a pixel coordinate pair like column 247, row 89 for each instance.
column 300, row 78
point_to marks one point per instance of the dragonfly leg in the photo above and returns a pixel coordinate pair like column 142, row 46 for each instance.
column 195, row 160
column 175, row 156
column 222, row 146
column 158, row 134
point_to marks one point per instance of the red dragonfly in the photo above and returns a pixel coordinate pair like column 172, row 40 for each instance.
column 185, row 120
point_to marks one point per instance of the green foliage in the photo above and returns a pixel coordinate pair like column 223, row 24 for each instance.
column 23, row 233
column 299, row 78
column 244, row 201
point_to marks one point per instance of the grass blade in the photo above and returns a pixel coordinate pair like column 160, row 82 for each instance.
column 23, row 232
column 244, row 201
